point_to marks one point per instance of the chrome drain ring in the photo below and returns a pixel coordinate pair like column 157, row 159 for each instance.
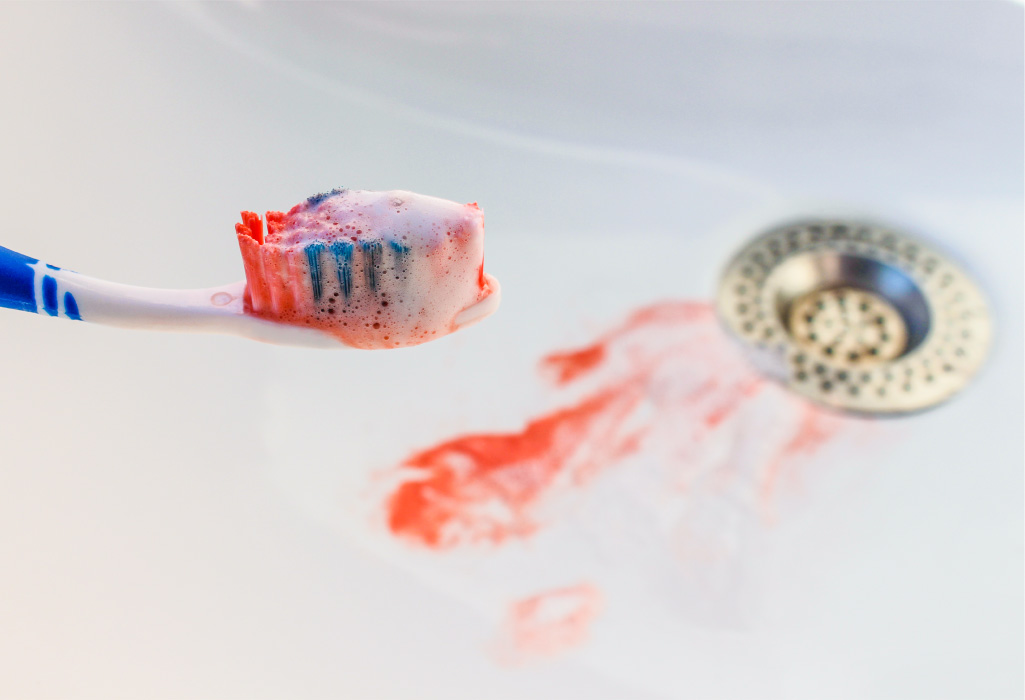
column 856, row 316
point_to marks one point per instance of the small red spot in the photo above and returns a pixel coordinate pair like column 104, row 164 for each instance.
column 550, row 623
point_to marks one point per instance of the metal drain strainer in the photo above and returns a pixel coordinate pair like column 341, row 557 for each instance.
column 856, row 316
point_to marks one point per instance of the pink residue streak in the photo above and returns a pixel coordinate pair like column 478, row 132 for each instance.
column 661, row 384
column 815, row 430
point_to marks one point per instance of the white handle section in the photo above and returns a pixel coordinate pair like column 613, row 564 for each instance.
column 212, row 310
column 125, row 305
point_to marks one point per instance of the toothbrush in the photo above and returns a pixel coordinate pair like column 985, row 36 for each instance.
column 347, row 268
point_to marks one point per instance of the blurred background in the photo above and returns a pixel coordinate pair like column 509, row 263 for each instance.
column 196, row 516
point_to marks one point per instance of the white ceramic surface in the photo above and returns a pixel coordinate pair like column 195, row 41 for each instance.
column 172, row 526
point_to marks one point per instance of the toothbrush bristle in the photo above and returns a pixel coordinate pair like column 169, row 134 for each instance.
column 251, row 226
column 376, row 269
column 275, row 222
column 317, row 199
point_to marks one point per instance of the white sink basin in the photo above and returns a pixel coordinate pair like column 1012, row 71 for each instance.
column 197, row 516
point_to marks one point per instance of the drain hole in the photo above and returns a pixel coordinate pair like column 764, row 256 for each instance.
column 850, row 309
column 864, row 331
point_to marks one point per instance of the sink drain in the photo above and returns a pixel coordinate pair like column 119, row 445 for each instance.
column 857, row 316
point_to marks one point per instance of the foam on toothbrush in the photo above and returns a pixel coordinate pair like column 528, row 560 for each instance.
column 375, row 269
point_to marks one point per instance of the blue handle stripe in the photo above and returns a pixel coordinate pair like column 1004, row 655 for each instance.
column 50, row 295
column 18, row 275
column 71, row 307
column 17, row 281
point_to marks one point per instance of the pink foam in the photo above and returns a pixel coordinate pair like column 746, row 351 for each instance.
column 416, row 263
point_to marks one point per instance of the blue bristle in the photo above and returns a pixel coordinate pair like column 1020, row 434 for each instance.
column 371, row 259
column 399, row 252
column 316, row 199
column 399, row 249
column 313, row 251
column 343, row 262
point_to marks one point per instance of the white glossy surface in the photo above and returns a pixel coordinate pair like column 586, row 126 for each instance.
column 163, row 533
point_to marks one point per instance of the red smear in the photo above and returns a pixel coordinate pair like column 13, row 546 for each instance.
column 551, row 622
column 567, row 366
column 672, row 358
column 478, row 488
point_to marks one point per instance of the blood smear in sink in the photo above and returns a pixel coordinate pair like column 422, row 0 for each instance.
column 663, row 385
column 480, row 487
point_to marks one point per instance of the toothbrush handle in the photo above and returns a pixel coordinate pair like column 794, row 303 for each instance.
column 27, row 284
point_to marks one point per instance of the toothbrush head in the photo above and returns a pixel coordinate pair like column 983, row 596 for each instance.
column 374, row 269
